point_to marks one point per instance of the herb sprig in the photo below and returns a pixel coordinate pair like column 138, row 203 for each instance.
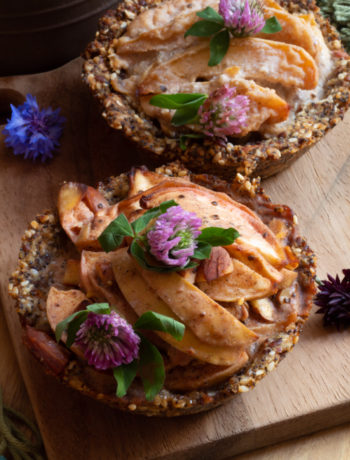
column 212, row 24
column 113, row 236
column 149, row 365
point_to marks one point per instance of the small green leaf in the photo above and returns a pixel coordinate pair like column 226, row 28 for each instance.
column 174, row 101
column 63, row 325
column 271, row 26
column 139, row 224
column 151, row 369
column 218, row 47
column 217, row 236
column 124, row 376
column 211, row 15
column 112, row 237
column 156, row 322
column 203, row 29
column 188, row 113
column 99, row 308
column 202, row 251
column 73, row 327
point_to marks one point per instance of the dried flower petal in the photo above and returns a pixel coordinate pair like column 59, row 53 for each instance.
column 32, row 132
column 107, row 340
column 333, row 299
column 242, row 17
column 172, row 239
column 223, row 113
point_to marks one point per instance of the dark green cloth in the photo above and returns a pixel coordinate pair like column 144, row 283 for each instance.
column 338, row 12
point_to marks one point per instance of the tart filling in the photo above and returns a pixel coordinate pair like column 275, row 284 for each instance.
column 278, row 72
column 242, row 307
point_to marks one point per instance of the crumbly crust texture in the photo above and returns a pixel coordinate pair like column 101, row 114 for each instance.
column 259, row 158
column 44, row 247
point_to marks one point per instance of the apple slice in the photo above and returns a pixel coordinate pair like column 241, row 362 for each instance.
column 241, row 283
column 97, row 280
column 209, row 321
column 61, row 304
column 259, row 59
column 215, row 209
column 143, row 298
column 84, row 214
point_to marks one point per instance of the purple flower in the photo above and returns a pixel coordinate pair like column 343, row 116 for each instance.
column 333, row 299
column 32, row 132
column 107, row 340
column 172, row 239
column 242, row 17
column 223, row 113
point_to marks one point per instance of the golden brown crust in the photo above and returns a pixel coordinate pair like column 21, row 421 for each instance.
column 258, row 157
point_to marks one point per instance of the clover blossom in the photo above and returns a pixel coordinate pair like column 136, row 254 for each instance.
column 242, row 17
column 224, row 113
column 32, row 132
column 172, row 239
column 107, row 340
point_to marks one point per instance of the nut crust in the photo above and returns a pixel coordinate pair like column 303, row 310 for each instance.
column 45, row 247
column 258, row 158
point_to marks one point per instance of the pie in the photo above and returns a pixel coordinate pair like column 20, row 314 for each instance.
column 296, row 80
column 243, row 307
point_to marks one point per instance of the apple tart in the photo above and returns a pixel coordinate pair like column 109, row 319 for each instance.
column 241, row 307
column 270, row 97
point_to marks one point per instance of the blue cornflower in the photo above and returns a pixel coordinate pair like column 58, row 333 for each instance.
column 32, row 132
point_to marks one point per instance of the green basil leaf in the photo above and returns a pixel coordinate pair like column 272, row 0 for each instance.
column 218, row 47
column 217, row 236
column 124, row 376
column 139, row 224
column 73, row 327
column 271, row 26
column 202, row 251
column 112, row 237
column 183, row 138
column 99, row 308
column 151, row 369
column 156, row 322
column 211, row 15
column 188, row 113
column 173, row 101
column 63, row 325
column 203, row 29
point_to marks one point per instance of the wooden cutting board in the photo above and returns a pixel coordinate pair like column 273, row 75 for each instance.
column 309, row 391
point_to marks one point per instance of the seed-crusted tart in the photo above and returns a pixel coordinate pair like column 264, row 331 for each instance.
column 292, row 85
column 242, row 306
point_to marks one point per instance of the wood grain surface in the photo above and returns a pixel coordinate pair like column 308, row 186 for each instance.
column 309, row 391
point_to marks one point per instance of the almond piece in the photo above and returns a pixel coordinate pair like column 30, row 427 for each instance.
column 218, row 265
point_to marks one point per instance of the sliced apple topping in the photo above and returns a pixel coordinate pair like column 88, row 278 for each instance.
column 241, row 283
column 84, row 213
column 61, row 304
column 258, row 59
column 143, row 298
column 97, row 280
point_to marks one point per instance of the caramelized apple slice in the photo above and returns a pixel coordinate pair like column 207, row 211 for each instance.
column 97, row 279
column 84, row 214
column 202, row 375
column 265, row 106
column 216, row 209
column 142, row 299
column 210, row 322
column 72, row 272
column 259, row 59
column 61, row 304
column 242, row 283
column 295, row 30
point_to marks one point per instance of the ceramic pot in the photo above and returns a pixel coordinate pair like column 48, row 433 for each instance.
column 39, row 35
